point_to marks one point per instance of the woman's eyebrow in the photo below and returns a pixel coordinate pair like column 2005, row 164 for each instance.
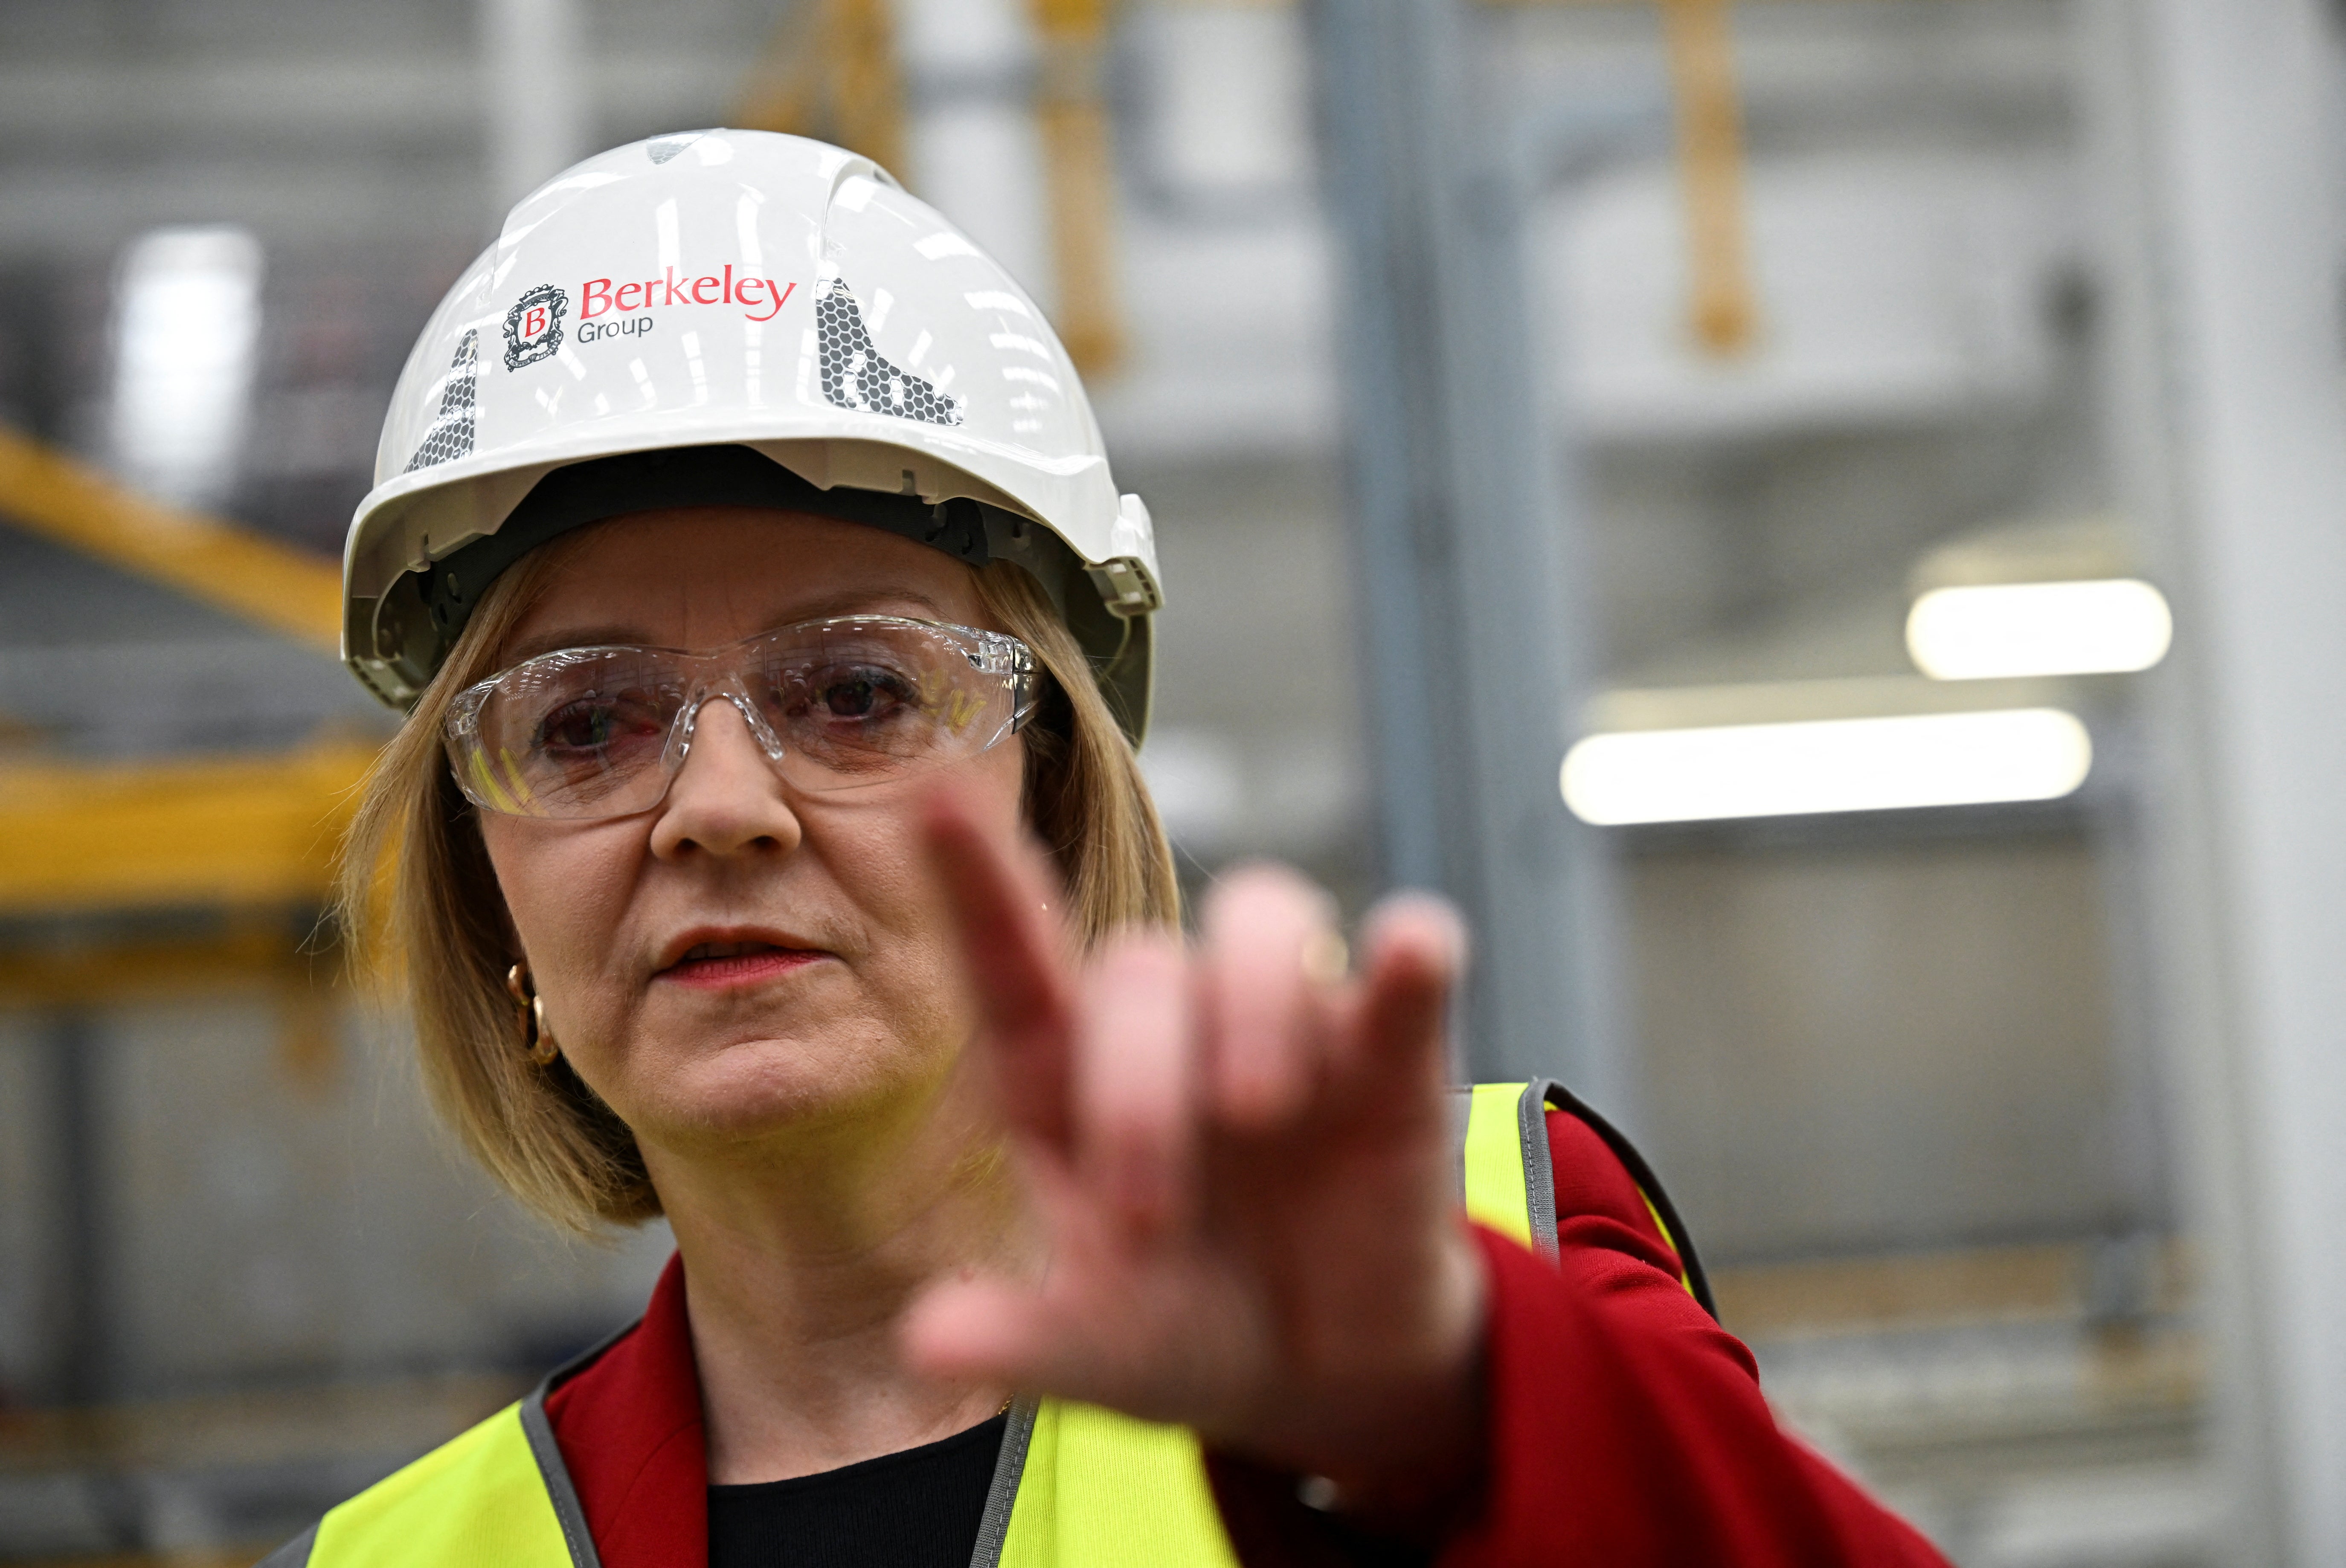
column 853, row 602
column 574, row 637
column 860, row 602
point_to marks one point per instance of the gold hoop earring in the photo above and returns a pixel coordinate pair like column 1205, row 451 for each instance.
column 536, row 1039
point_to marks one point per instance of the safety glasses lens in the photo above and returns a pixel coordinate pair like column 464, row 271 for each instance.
column 872, row 701
column 590, row 732
column 576, row 734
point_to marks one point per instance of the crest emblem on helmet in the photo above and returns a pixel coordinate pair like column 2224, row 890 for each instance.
column 534, row 326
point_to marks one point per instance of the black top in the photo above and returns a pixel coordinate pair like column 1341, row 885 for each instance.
column 918, row 1509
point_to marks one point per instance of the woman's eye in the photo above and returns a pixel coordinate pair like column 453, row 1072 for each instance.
column 597, row 724
column 862, row 694
column 851, row 698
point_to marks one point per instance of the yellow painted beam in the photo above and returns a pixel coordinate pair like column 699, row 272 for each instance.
column 830, row 71
column 217, row 563
column 261, row 957
column 1723, row 306
column 245, row 830
column 248, row 958
column 1080, row 174
column 1079, row 170
column 867, row 88
column 783, row 91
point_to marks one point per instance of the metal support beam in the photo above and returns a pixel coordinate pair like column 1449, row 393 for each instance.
column 276, row 954
column 1472, row 626
column 1723, row 312
column 1722, row 307
column 534, row 94
column 831, row 72
column 2216, row 135
column 242, row 831
column 1079, row 169
column 81, row 1300
column 247, row 574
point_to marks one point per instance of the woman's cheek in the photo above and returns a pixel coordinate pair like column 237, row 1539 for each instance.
column 566, row 900
column 912, row 973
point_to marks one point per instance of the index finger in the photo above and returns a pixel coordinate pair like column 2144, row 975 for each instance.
column 1001, row 898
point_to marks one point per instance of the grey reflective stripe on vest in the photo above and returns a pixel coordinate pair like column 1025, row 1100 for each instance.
column 560, row 1491
column 1531, row 1138
column 1001, row 1493
column 1539, row 1170
column 559, row 1488
column 294, row 1554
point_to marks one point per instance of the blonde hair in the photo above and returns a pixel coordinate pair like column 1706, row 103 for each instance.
column 422, row 906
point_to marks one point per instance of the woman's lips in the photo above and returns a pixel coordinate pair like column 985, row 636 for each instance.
column 715, row 966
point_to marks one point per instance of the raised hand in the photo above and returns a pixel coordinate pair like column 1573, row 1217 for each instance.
column 1239, row 1160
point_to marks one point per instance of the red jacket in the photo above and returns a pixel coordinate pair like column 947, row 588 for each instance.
column 1625, row 1427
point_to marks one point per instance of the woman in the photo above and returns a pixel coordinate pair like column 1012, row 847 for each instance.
column 768, row 852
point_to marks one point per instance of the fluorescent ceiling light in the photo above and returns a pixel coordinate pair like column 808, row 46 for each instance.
column 187, row 319
column 1826, row 765
column 2038, row 628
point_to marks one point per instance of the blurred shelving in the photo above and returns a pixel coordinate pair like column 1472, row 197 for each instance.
column 2041, row 1406
column 219, row 1479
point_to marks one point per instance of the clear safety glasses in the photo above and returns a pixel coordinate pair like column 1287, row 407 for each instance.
column 840, row 704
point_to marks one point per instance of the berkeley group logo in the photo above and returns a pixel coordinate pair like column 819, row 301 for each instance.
column 534, row 326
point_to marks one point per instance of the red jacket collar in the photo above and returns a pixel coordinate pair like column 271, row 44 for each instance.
column 629, row 1427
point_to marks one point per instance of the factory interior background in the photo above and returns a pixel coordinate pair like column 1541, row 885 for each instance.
column 1937, row 428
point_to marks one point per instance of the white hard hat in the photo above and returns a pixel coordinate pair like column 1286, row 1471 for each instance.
column 730, row 317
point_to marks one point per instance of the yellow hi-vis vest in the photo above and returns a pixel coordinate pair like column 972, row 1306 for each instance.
column 1076, row 1487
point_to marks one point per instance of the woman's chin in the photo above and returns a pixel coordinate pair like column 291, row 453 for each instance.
column 747, row 1089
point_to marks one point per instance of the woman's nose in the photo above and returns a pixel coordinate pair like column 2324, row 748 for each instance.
column 724, row 799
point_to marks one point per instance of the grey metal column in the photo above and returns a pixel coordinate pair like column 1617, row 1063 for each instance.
column 2217, row 131
column 81, row 1306
column 1470, row 621
column 534, row 94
